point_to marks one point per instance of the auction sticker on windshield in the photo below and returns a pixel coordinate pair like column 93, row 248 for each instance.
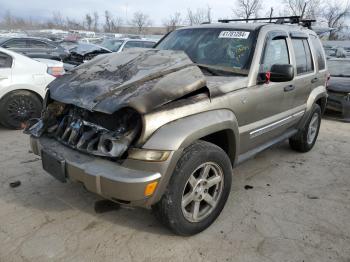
column 234, row 34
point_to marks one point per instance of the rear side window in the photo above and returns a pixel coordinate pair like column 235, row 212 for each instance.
column 303, row 56
column 5, row 61
column 148, row 44
column 319, row 52
column 16, row 43
column 37, row 44
column 276, row 52
column 131, row 44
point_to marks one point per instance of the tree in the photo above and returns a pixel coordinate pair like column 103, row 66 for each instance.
column 140, row 21
column 198, row 17
column 107, row 27
column 8, row 19
column 334, row 15
column 245, row 9
column 88, row 20
column 296, row 8
column 172, row 22
column 57, row 20
column 96, row 17
column 116, row 23
column 208, row 16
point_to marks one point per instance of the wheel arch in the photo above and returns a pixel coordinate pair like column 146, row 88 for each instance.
column 219, row 127
column 39, row 96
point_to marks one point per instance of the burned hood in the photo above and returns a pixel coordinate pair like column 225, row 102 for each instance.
column 83, row 49
column 141, row 79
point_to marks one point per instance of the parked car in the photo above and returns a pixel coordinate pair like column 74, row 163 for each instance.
column 119, row 45
column 84, row 52
column 34, row 47
column 338, row 103
column 163, row 127
column 23, row 84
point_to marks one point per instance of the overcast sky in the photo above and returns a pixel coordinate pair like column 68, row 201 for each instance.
column 156, row 9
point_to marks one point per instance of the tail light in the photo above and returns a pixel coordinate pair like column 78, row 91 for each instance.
column 55, row 71
column 328, row 76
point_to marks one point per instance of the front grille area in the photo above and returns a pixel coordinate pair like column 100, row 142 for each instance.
column 79, row 134
column 96, row 133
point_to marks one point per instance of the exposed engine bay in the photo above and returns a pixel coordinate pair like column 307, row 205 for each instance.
column 89, row 132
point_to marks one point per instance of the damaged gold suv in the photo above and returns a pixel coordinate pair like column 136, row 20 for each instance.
column 164, row 127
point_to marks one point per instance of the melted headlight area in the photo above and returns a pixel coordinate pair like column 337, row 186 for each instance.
column 90, row 132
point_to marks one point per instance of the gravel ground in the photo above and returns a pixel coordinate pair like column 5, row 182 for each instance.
column 297, row 210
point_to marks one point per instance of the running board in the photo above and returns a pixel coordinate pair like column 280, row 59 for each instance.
column 253, row 152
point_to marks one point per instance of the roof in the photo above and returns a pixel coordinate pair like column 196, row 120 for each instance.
column 249, row 26
column 243, row 26
column 3, row 39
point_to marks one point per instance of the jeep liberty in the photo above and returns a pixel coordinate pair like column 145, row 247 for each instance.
column 163, row 128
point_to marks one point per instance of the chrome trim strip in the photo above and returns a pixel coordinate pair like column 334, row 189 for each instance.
column 276, row 124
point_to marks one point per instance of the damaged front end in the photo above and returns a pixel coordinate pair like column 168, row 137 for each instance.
column 98, row 108
column 89, row 132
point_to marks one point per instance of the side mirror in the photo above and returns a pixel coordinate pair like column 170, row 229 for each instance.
column 281, row 73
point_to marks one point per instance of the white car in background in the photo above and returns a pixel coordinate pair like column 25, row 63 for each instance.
column 23, row 83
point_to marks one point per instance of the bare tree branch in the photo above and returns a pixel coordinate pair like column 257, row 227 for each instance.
column 140, row 21
column 172, row 22
column 334, row 15
column 295, row 8
column 245, row 9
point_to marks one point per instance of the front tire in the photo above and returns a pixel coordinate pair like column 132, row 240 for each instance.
column 305, row 140
column 197, row 191
column 17, row 107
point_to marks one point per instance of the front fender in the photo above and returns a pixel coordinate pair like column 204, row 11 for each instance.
column 182, row 132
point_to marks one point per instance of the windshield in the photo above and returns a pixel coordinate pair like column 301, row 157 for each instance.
column 112, row 44
column 338, row 58
column 227, row 48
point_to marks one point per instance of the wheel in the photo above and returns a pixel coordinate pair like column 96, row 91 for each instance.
column 306, row 138
column 17, row 107
column 197, row 191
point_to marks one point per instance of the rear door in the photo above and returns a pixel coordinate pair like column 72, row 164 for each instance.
column 305, row 72
column 39, row 49
column 320, row 61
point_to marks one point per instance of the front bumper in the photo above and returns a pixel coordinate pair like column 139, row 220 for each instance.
column 103, row 177
column 340, row 103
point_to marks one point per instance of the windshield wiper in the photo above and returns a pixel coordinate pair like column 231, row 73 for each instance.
column 211, row 69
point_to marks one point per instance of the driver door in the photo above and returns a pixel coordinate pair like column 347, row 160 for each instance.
column 267, row 107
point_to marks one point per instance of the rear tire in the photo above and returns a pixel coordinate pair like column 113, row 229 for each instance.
column 17, row 107
column 197, row 191
column 305, row 140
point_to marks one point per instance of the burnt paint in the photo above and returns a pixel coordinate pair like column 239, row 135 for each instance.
column 141, row 79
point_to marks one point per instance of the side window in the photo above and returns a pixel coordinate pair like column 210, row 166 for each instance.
column 131, row 44
column 319, row 52
column 303, row 56
column 16, row 43
column 37, row 44
column 276, row 52
column 5, row 61
column 148, row 44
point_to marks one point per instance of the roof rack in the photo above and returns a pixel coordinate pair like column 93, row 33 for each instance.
column 276, row 20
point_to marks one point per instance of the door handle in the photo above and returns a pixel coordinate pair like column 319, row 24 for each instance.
column 314, row 80
column 289, row 88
